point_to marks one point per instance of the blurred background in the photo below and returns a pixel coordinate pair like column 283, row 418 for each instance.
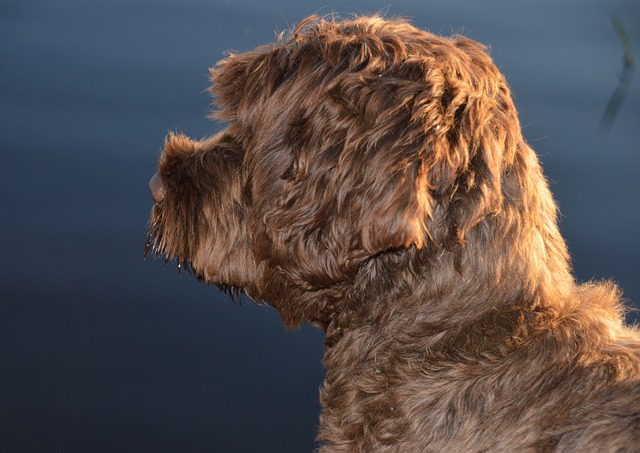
column 103, row 351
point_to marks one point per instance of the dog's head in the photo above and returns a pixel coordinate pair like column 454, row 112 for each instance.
column 344, row 141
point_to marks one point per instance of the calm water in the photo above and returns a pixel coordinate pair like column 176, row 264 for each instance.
column 102, row 351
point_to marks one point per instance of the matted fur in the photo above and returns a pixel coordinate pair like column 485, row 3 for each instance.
column 373, row 180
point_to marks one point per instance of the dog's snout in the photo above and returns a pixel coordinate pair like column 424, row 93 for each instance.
column 156, row 187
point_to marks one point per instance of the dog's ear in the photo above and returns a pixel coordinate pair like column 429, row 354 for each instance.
column 358, row 183
column 331, row 218
column 376, row 154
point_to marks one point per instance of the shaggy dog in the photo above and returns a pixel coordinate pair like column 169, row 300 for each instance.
column 373, row 180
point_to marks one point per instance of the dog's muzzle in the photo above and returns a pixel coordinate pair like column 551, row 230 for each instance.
column 157, row 189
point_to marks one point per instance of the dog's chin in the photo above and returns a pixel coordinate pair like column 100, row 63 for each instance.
column 156, row 246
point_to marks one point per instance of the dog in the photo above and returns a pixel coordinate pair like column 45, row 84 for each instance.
column 373, row 180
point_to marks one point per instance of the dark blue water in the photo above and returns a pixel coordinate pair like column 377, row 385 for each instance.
column 102, row 351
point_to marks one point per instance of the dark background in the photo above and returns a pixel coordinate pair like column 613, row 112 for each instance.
column 102, row 351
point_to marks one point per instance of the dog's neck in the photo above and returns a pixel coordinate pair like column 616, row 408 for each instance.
column 444, row 290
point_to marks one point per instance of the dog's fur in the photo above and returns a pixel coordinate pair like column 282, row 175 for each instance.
column 373, row 180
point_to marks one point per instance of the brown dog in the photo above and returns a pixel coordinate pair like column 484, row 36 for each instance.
column 373, row 180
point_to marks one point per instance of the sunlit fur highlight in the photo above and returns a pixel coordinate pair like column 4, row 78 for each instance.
column 373, row 180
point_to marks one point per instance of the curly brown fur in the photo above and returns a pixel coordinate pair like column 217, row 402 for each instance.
column 373, row 180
